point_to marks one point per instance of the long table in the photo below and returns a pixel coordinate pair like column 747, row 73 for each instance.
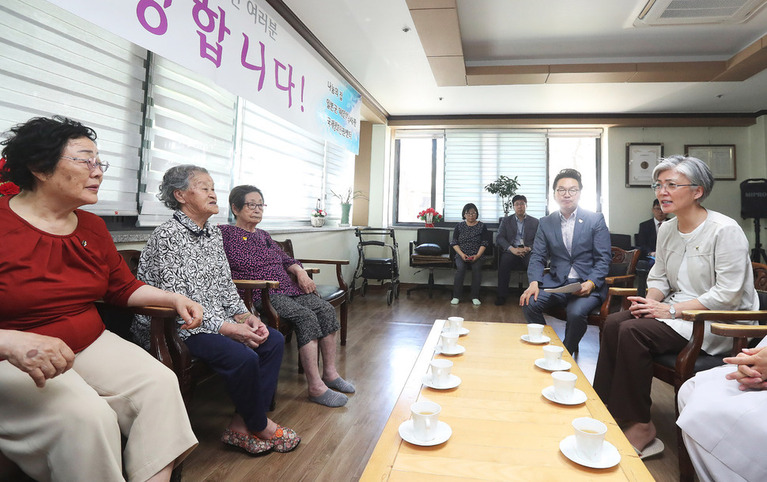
column 503, row 428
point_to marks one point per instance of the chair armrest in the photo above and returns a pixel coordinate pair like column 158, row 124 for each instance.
column 324, row 261
column 255, row 284
column 268, row 313
column 738, row 331
column 714, row 315
column 337, row 262
column 625, row 281
column 614, row 291
column 312, row 271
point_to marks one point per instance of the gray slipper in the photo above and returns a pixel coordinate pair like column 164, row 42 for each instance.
column 331, row 399
column 340, row 384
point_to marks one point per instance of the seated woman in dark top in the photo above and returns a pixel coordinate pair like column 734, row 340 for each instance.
column 469, row 242
column 253, row 254
column 69, row 389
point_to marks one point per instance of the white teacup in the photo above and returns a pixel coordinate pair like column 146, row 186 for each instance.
column 425, row 416
column 449, row 341
column 552, row 355
column 454, row 324
column 564, row 385
column 589, row 437
column 534, row 331
column 440, row 371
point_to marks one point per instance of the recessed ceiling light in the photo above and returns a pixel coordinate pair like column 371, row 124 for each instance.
column 406, row 29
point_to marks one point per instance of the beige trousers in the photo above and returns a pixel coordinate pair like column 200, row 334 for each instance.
column 70, row 429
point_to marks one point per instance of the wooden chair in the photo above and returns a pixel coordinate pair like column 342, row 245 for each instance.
column 336, row 295
column 622, row 274
column 675, row 369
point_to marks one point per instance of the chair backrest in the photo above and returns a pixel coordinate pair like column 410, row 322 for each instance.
column 286, row 246
column 622, row 241
column 760, row 277
column 624, row 262
column 438, row 236
column 131, row 257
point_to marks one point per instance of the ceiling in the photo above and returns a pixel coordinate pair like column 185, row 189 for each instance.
column 378, row 42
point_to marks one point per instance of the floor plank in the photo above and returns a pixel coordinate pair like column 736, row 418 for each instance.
column 383, row 343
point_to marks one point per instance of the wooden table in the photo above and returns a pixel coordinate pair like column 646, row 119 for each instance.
column 503, row 428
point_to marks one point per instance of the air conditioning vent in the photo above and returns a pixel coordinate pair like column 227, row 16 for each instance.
column 694, row 12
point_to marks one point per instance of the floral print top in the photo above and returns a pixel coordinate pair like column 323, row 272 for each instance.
column 470, row 238
column 256, row 256
column 183, row 258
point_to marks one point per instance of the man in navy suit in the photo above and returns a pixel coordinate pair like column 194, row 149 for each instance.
column 648, row 232
column 516, row 234
column 577, row 243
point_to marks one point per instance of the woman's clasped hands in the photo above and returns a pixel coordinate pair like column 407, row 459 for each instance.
column 249, row 330
column 648, row 308
column 752, row 367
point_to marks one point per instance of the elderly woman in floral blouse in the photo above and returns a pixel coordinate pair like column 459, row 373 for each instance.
column 254, row 255
column 186, row 255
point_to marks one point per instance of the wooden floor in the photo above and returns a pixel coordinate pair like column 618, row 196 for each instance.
column 383, row 343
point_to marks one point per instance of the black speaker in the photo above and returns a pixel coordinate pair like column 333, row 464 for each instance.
column 753, row 198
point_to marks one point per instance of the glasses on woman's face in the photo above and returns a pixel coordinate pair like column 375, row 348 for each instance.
column 254, row 206
column 572, row 191
column 92, row 163
column 471, row 213
column 669, row 186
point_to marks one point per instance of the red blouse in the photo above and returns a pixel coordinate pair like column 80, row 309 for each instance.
column 49, row 283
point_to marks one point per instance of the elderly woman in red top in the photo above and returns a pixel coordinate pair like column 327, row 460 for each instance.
column 253, row 254
column 70, row 388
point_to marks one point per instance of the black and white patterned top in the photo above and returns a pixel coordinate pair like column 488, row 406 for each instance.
column 184, row 258
column 470, row 238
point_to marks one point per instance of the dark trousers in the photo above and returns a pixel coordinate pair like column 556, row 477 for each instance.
column 250, row 375
column 576, row 307
column 460, row 274
column 623, row 377
column 506, row 264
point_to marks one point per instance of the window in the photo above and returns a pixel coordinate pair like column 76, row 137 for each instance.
column 578, row 150
column 55, row 63
column 447, row 169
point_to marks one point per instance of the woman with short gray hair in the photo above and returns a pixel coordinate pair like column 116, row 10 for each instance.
column 186, row 255
column 701, row 263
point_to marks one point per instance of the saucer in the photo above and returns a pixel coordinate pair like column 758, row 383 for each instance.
column 452, row 382
column 610, row 456
column 544, row 339
column 563, row 365
column 577, row 398
column 443, row 433
column 460, row 332
column 458, row 350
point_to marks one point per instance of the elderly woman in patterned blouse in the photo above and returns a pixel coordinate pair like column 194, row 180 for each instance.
column 186, row 255
column 253, row 255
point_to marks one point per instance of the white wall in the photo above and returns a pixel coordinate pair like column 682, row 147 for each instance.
column 630, row 206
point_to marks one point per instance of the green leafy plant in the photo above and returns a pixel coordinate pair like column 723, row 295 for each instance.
column 506, row 188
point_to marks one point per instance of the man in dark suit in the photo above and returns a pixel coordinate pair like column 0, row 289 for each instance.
column 648, row 232
column 577, row 243
column 516, row 234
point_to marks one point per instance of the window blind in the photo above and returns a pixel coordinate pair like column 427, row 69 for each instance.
column 281, row 160
column 339, row 168
column 475, row 158
column 190, row 120
column 55, row 63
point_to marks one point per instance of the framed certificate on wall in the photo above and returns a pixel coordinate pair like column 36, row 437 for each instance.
column 719, row 158
column 641, row 159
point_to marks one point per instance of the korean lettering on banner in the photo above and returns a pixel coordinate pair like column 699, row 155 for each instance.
column 335, row 109
column 208, row 25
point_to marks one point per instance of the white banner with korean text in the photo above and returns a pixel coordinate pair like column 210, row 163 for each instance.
column 243, row 46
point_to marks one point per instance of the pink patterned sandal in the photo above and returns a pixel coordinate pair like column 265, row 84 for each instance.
column 284, row 439
column 249, row 443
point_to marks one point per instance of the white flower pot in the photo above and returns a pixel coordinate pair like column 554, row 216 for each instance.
column 318, row 221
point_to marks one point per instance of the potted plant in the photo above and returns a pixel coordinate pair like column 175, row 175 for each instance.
column 318, row 216
column 506, row 188
column 430, row 216
column 7, row 188
column 346, row 203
